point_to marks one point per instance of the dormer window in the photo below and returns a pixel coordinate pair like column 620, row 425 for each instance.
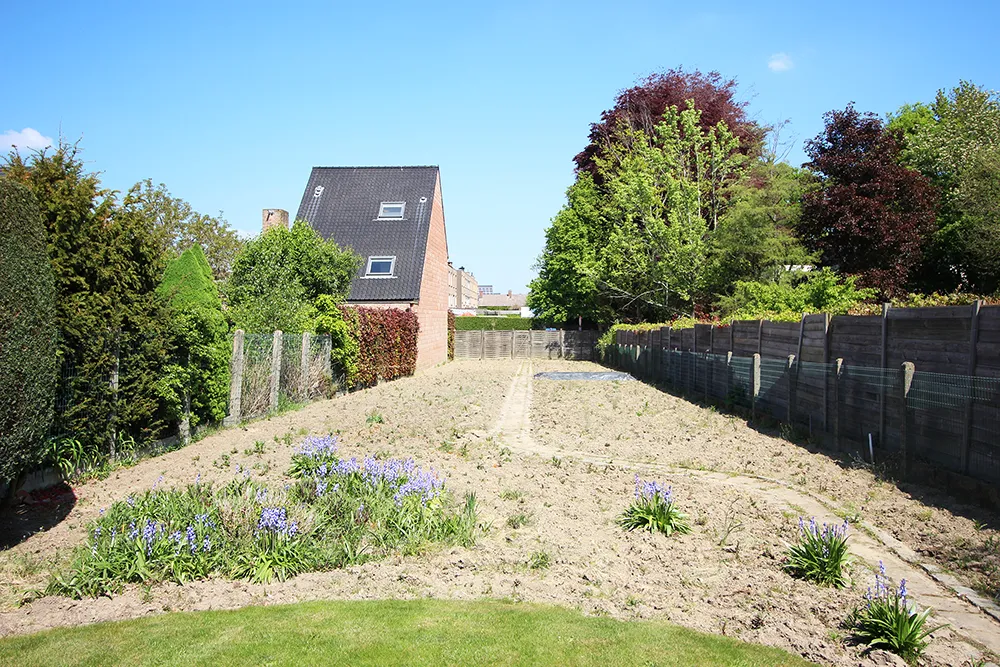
column 391, row 210
column 380, row 267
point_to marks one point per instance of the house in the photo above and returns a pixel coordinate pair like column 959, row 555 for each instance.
column 463, row 289
column 508, row 301
column 394, row 218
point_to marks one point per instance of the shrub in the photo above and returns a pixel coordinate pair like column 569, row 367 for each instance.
column 887, row 619
column 818, row 292
column 387, row 343
column 27, row 332
column 507, row 323
column 344, row 349
column 277, row 277
column 198, row 378
column 820, row 555
column 653, row 509
column 338, row 512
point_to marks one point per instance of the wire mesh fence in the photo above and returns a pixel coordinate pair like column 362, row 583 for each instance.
column 949, row 421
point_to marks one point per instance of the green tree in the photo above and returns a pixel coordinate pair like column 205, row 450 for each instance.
column 813, row 292
column 194, row 386
column 107, row 264
column 278, row 276
column 342, row 326
column 755, row 238
column 27, row 333
column 955, row 142
column 179, row 227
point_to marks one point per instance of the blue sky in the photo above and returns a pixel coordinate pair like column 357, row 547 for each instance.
column 230, row 105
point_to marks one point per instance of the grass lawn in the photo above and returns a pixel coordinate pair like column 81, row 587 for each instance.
column 423, row 632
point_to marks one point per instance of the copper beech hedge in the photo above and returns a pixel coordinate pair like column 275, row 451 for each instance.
column 387, row 342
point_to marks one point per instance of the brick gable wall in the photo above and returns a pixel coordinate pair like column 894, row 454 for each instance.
column 432, row 310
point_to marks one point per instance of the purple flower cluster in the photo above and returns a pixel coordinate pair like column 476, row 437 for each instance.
column 424, row 485
column 883, row 590
column 274, row 520
column 318, row 447
column 826, row 532
column 648, row 491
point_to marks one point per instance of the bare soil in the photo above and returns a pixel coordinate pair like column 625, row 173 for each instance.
column 557, row 460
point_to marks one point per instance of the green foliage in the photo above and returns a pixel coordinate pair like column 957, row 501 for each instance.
column 278, row 276
column 653, row 509
column 821, row 554
column 955, row 141
column 539, row 560
column 107, row 264
column 342, row 327
column 178, row 227
column 27, row 332
column 888, row 620
column 197, row 381
column 475, row 323
column 817, row 292
column 755, row 239
column 337, row 513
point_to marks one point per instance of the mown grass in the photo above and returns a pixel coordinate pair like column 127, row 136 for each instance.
column 424, row 632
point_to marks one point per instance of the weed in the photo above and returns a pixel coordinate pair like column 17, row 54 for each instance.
column 511, row 494
column 374, row 418
column 925, row 515
column 555, row 461
column 979, row 525
column 518, row 520
column 730, row 524
column 446, row 447
column 256, row 450
column 222, row 462
column 539, row 561
column 505, row 454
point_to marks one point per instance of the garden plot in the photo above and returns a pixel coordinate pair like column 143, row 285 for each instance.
column 553, row 466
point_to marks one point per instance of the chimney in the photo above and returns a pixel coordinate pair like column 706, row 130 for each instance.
column 510, row 294
column 274, row 217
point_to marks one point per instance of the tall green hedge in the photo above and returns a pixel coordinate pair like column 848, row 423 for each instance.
column 474, row 323
column 199, row 372
column 27, row 332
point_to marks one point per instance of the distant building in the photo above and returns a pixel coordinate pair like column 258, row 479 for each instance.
column 463, row 289
column 486, row 289
column 509, row 300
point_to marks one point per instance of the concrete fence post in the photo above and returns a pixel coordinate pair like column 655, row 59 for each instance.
column 754, row 385
column 275, row 369
column 235, row 381
column 838, row 369
column 729, row 374
column 562, row 344
column 793, row 387
column 905, row 426
column 304, row 365
column 512, row 344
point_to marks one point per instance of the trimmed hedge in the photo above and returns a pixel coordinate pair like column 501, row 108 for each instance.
column 27, row 332
column 387, row 343
column 475, row 323
column 451, row 335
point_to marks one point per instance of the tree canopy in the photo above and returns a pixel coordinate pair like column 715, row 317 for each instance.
column 278, row 276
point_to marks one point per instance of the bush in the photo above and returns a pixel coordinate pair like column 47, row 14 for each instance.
column 27, row 332
column 344, row 349
column 277, row 277
column 888, row 620
column 506, row 323
column 821, row 554
column 451, row 336
column 198, row 378
column 387, row 343
column 818, row 292
column 337, row 513
column 653, row 509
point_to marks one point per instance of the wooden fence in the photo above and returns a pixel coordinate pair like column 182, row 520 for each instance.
column 525, row 344
column 919, row 382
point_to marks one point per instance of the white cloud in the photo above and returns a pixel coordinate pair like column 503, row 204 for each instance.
column 27, row 138
column 780, row 62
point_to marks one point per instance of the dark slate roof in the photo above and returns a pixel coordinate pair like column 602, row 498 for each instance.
column 347, row 209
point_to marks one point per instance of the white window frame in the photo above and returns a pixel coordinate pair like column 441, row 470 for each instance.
column 381, row 258
column 383, row 216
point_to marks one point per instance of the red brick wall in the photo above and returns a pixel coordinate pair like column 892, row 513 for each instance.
column 432, row 311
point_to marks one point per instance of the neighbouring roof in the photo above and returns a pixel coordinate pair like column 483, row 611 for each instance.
column 347, row 209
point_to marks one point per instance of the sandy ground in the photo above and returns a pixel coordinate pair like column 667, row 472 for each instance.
column 560, row 457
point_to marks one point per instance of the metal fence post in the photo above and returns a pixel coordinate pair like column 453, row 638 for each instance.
column 235, row 381
column 754, row 385
column 905, row 428
column 275, row 369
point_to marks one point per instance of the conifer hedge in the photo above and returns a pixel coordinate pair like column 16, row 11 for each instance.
column 27, row 332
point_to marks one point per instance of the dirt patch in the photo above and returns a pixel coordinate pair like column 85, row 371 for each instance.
column 552, row 465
